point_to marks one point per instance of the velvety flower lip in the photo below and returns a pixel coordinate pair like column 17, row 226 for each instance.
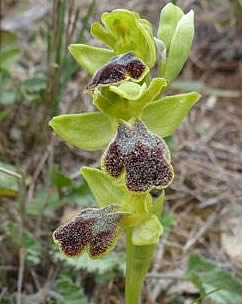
column 95, row 230
column 120, row 68
column 144, row 155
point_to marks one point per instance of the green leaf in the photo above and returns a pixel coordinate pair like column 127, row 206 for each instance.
column 8, row 96
column 105, row 190
column 100, row 267
column 81, row 195
column 69, row 292
column 147, row 232
column 180, row 47
column 44, row 202
column 90, row 131
column 8, row 38
column 169, row 18
column 8, row 56
column 9, row 53
column 89, row 57
column 168, row 221
column 124, row 31
column 32, row 246
column 8, row 184
column 163, row 116
column 35, row 84
column 59, row 179
column 214, row 283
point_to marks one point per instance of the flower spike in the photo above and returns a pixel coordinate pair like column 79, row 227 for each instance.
column 145, row 157
column 96, row 230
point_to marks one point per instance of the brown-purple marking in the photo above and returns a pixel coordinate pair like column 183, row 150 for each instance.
column 144, row 155
column 94, row 229
column 121, row 67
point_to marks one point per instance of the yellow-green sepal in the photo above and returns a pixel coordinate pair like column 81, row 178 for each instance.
column 169, row 17
column 105, row 190
column 89, row 131
column 91, row 58
column 180, row 47
column 162, row 117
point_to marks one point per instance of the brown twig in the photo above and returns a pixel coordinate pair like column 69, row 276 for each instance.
column 20, row 274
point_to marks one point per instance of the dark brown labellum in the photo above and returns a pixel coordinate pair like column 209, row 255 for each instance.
column 145, row 157
column 96, row 230
column 122, row 67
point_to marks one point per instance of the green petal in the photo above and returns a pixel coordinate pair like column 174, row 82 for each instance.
column 105, row 190
column 129, row 90
column 124, row 32
column 89, row 131
column 99, row 32
column 154, row 89
column 163, row 116
column 180, row 46
column 89, row 57
column 148, row 232
column 169, row 17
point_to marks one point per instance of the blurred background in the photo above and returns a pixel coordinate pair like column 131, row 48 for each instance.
column 199, row 259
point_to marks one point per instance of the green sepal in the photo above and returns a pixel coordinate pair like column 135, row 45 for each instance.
column 124, row 31
column 158, row 203
column 115, row 105
column 147, row 232
column 90, row 57
column 169, row 18
column 89, row 131
column 180, row 47
column 162, row 117
column 105, row 190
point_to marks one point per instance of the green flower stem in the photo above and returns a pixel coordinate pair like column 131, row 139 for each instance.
column 138, row 260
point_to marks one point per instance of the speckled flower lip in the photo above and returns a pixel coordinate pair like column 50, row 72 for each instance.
column 123, row 67
column 93, row 229
column 144, row 155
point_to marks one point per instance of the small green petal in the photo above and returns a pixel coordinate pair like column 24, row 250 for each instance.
column 169, row 17
column 89, row 57
column 180, row 47
column 129, row 90
column 89, row 131
column 163, row 116
column 154, row 89
column 148, row 232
